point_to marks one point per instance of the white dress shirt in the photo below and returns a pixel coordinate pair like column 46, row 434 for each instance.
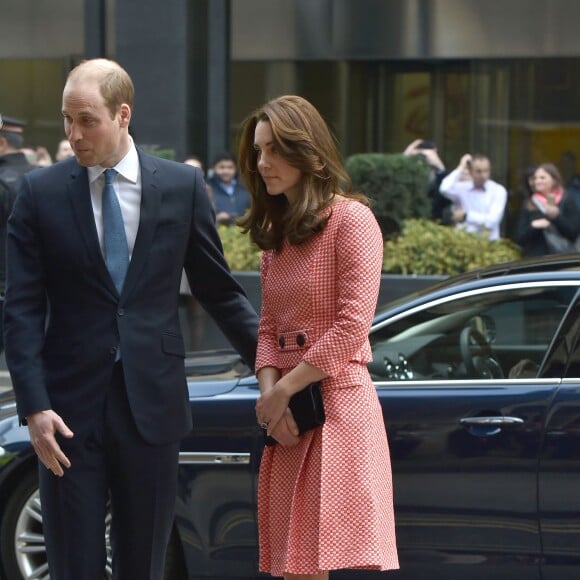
column 127, row 185
column 484, row 207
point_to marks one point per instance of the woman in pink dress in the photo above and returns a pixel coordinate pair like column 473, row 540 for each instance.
column 324, row 497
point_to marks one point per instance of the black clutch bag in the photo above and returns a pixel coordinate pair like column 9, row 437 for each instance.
column 307, row 409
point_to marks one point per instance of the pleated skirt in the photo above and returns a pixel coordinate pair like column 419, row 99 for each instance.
column 327, row 503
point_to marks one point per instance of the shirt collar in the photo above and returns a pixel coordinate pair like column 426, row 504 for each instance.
column 128, row 167
column 480, row 189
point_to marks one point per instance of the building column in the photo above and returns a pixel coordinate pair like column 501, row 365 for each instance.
column 218, row 116
column 208, row 66
column 151, row 44
column 95, row 29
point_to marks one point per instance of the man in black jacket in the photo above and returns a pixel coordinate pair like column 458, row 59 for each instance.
column 13, row 165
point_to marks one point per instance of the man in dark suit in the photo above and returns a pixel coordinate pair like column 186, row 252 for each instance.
column 94, row 346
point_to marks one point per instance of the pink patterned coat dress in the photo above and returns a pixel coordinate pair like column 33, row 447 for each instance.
column 327, row 503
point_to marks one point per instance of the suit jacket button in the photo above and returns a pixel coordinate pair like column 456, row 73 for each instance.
column 113, row 350
column 281, row 342
column 120, row 312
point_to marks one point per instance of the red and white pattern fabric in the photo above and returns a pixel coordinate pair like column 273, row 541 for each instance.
column 327, row 503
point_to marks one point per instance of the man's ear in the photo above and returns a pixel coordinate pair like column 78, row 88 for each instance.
column 124, row 115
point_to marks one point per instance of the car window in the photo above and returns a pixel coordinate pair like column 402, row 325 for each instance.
column 502, row 333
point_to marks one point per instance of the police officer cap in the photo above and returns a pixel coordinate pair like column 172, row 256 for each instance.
column 11, row 125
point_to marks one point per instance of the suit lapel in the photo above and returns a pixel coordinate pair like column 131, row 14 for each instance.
column 149, row 216
column 80, row 196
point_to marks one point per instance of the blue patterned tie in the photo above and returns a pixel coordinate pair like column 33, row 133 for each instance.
column 115, row 239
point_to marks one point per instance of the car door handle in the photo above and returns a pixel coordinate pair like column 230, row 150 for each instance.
column 489, row 426
column 499, row 421
column 213, row 458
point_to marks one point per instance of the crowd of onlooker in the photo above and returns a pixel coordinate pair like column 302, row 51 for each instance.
column 466, row 197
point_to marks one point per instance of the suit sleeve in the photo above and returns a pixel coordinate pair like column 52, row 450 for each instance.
column 359, row 249
column 25, row 305
column 211, row 281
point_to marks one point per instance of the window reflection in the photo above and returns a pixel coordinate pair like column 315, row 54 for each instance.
column 500, row 334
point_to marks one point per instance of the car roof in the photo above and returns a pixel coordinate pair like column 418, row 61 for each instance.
column 558, row 266
column 552, row 263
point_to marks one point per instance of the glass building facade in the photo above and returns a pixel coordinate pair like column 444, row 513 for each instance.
column 495, row 77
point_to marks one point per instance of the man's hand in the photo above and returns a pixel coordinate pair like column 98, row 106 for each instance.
column 458, row 215
column 42, row 426
column 465, row 163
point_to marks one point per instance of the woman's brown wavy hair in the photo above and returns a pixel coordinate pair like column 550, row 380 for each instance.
column 304, row 140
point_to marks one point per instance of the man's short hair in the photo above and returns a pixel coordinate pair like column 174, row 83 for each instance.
column 224, row 156
column 480, row 157
column 114, row 81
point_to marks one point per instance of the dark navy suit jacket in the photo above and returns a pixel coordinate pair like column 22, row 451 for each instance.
column 64, row 318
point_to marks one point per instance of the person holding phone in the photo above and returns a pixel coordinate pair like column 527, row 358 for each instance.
column 550, row 219
column 478, row 201
column 427, row 151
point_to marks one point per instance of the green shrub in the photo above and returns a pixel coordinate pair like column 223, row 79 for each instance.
column 163, row 153
column 241, row 254
column 425, row 247
column 396, row 183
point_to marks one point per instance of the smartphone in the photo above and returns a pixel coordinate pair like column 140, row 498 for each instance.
column 426, row 145
column 538, row 204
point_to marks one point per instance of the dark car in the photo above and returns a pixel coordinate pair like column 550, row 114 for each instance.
column 479, row 380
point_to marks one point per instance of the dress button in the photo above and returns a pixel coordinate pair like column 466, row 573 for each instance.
column 281, row 341
column 113, row 350
column 300, row 340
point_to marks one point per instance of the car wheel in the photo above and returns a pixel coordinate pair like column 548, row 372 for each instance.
column 22, row 548
column 22, row 538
